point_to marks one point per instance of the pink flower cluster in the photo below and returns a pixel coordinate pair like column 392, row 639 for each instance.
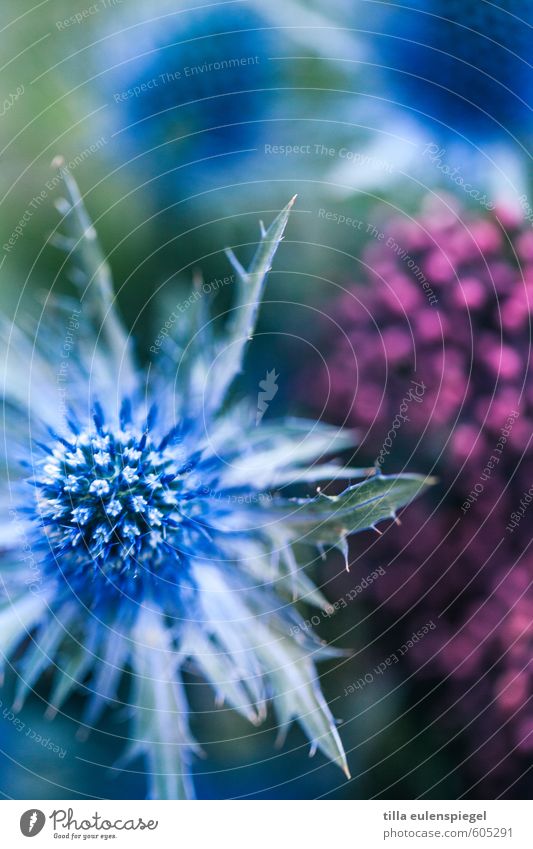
column 444, row 302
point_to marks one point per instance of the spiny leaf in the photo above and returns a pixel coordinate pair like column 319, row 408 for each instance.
column 161, row 729
column 17, row 619
column 249, row 291
column 37, row 656
column 94, row 274
column 297, row 696
column 329, row 518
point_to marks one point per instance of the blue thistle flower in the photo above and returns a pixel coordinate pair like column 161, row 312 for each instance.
column 464, row 64
column 194, row 91
column 157, row 532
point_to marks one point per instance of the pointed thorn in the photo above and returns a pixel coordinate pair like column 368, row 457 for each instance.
column 281, row 736
column 377, row 530
column 346, row 770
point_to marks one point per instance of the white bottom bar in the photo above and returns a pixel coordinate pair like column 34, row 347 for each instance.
column 262, row 825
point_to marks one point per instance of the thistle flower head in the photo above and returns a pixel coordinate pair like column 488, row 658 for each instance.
column 161, row 528
column 115, row 499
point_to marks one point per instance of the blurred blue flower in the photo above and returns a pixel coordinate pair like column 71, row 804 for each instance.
column 463, row 65
column 159, row 535
column 193, row 91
